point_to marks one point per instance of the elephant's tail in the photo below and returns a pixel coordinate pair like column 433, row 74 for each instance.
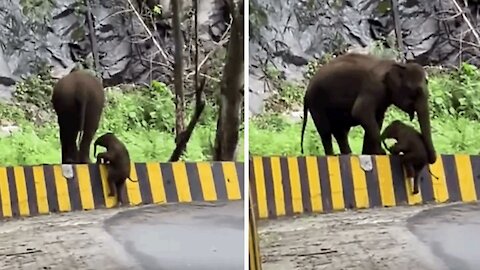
column 83, row 109
column 305, row 115
column 132, row 179
column 436, row 177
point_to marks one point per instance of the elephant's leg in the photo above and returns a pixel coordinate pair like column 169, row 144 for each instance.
column 323, row 128
column 415, row 183
column 121, row 191
column 112, row 187
column 84, row 151
column 341, row 135
column 67, row 139
column 92, row 120
column 371, row 141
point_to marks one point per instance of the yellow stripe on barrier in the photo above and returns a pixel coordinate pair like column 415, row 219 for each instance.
column 295, row 185
column 231, row 181
column 40, row 189
column 440, row 189
column 385, row 180
column 359, row 184
column 5, row 194
column 21, row 187
column 336, row 186
column 467, row 186
column 181, row 181
column 133, row 187
column 85, row 187
column 278, row 186
column 62, row 190
column 156, row 183
column 314, row 184
column 206, row 181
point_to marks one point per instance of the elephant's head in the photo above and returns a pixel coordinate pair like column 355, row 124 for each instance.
column 105, row 141
column 393, row 130
column 408, row 90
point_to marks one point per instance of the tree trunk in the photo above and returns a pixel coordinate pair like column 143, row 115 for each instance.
column 93, row 38
column 178, row 70
column 231, row 91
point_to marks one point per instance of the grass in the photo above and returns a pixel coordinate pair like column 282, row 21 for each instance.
column 143, row 119
column 454, row 109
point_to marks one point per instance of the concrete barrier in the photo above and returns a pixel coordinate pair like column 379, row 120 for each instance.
column 34, row 190
column 285, row 186
column 255, row 262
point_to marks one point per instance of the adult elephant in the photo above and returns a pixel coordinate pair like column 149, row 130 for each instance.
column 78, row 101
column 357, row 89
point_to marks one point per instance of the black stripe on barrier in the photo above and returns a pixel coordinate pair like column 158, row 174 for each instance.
column 269, row 187
column 97, row 186
column 325, row 183
column 74, row 190
column 398, row 179
column 304, row 184
column 143, row 182
column 194, row 181
column 475, row 161
column 51, row 188
column 287, row 188
column 373, row 185
column 240, row 167
column 31, row 190
column 425, row 186
column 219, row 177
column 169, row 182
column 451, row 176
column 13, row 191
column 347, row 181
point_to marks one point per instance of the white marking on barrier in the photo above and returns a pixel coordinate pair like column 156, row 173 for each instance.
column 366, row 162
column 67, row 171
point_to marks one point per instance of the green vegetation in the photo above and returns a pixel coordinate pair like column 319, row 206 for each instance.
column 141, row 117
column 454, row 109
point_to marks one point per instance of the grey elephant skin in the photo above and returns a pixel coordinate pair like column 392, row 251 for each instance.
column 117, row 161
column 356, row 89
column 78, row 100
column 410, row 143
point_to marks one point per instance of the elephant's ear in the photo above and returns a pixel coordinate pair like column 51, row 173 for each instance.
column 393, row 79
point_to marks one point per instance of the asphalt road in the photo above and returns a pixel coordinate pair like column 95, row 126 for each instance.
column 206, row 236
column 452, row 233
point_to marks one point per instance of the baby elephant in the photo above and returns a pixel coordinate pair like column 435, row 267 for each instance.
column 117, row 160
column 411, row 144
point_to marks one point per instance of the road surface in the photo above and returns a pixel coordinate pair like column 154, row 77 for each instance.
column 420, row 238
column 452, row 233
column 201, row 236
column 183, row 236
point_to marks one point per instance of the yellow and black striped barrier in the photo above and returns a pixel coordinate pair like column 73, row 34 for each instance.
column 34, row 190
column 255, row 262
column 285, row 186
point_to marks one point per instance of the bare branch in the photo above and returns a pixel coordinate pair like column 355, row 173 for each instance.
column 148, row 31
column 475, row 33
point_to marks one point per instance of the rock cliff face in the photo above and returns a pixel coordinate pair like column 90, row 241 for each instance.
column 57, row 34
column 293, row 32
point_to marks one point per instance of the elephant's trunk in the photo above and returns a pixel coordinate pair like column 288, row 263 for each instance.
column 95, row 149
column 422, row 110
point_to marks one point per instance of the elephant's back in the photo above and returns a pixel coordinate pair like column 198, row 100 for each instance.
column 78, row 85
